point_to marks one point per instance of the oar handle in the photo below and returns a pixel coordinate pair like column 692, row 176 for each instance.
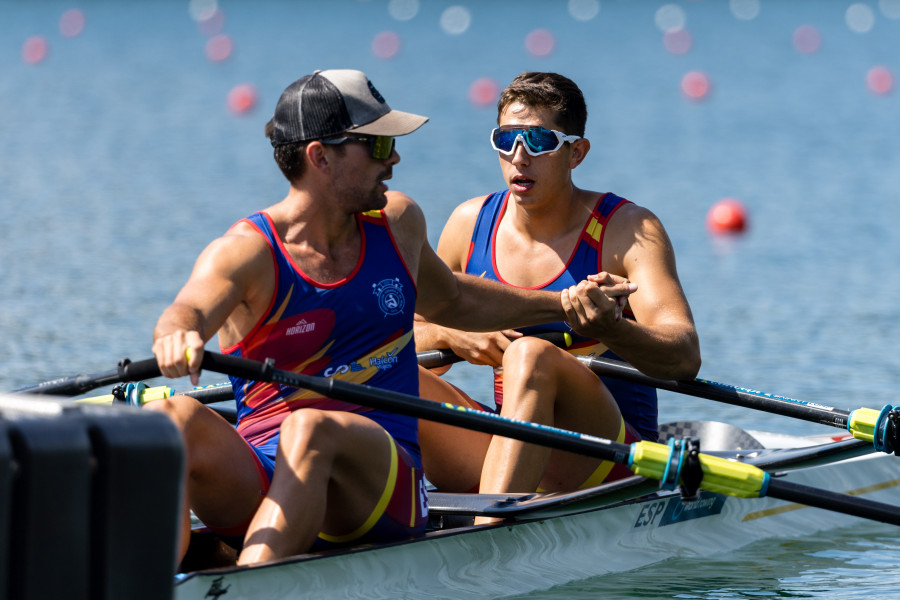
column 431, row 359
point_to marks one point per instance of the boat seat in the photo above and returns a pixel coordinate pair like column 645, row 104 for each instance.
column 714, row 435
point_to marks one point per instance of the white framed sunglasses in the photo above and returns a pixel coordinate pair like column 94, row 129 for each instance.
column 536, row 140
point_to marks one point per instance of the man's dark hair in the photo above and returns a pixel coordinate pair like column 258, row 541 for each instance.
column 289, row 157
column 548, row 90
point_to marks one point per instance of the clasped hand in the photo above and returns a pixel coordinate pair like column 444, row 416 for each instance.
column 594, row 305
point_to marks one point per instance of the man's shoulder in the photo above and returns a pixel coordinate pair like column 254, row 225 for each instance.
column 243, row 242
column 471, row 207
column 633, row 221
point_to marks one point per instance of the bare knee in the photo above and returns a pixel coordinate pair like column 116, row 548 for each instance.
column 199, row 426
column 308, row 429
column 180, row 409
column 528, row 351
column 531, row 361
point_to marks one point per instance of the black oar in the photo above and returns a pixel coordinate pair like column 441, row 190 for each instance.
column 431, row 359
column 881, row 427
column 74, row 385
column 671, row 464
column 877, row 426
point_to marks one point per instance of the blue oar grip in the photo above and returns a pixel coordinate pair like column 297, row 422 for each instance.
column 134, row 393
column 883, row 440
column 674, row 464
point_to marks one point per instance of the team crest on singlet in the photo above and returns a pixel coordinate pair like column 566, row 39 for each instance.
column 390, row 296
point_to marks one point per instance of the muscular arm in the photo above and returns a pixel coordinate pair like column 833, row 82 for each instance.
column 662, row 341
column 458, row 300
column 218, row 295
column 475, row 347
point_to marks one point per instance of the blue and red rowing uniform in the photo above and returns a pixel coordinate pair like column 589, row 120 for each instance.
column 359, row 329
column 637, row 403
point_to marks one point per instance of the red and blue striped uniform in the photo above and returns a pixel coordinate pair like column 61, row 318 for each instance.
column 637, row 403
column 358, row 329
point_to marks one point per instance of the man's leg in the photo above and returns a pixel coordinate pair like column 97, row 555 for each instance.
column 330, row 473
column 544, row 384
column 222, row 478
column 452, row 456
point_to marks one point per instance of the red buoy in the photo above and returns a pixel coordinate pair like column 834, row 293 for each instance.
column 218, row 47
column 727, row 216
column 71, row 23
column 484, row 92
column 540, row 42
column 35, row 49
column 242, row 98
column 386, row 45
column 807, row 39
column 695, row 85
column 677, row 41
column 880, row 80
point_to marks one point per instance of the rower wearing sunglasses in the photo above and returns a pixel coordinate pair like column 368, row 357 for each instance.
column 545, row 233
column 323, row 282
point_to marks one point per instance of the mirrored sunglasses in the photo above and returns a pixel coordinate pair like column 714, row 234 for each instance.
column 380, row 146
column 537, row 140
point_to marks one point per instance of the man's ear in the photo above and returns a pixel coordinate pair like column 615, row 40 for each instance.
column 580, row 149
column 317, row 156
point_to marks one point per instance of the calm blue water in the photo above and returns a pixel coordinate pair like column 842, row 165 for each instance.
column 120, row 160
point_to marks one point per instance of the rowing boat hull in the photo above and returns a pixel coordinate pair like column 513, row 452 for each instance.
column 565, row 542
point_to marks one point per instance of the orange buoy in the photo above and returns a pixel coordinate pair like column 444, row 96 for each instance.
column 695, row 85
column 242, row 98
column 727, row 216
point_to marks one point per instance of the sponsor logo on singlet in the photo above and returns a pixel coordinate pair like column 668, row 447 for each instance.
column 302, row 326
column 383, row 363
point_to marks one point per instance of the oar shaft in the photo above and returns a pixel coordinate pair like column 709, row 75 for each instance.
column 701, row 388
column 431, row 359
column 819, row 498
column 72, row 386
column 80, row 384
column 413, row 406
column 799, row 409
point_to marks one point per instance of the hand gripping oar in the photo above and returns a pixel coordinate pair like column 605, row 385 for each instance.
column 672, row 464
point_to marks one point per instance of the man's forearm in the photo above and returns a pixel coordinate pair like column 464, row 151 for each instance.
column 180, row 317
column 484, row 305
column 666, row 351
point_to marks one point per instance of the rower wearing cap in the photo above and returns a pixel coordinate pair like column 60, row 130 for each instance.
column 324, row 282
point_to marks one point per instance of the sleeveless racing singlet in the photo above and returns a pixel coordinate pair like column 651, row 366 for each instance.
column 359, row 329
column 637, row 403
